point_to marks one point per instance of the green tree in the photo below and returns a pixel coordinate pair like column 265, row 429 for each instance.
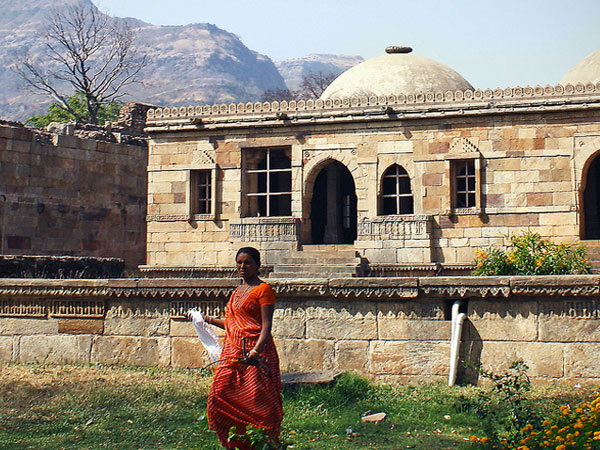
column 76, row 103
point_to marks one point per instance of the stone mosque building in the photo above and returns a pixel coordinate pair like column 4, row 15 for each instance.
column 401, row 167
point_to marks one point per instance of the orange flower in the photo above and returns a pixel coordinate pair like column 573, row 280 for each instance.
column 560, row 447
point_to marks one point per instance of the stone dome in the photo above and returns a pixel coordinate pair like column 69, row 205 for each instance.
column 585, row 71
column 396, row 72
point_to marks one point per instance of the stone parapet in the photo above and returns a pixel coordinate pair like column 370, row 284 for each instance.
column 265, row 229
column 557, row 286
column 392, row 329
column 401, row 106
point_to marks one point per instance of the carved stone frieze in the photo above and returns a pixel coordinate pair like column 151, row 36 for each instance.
column 401, row 227
column 374, row 292
column 168, row 218
column 22, row 307
column 300, row 288
column 265, row 229
column 209, row 307
column 168, row 292
column 562, row 291
column 574, row 309
column 76, row 308
column 466, row 291
column 52, row 291
column 560, row 285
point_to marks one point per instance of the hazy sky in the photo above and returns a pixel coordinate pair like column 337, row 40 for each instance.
column 491, row 43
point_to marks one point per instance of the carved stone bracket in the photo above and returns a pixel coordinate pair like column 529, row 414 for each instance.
column 265, row 229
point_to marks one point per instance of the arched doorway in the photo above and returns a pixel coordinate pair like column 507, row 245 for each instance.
column 333, row 206
column 591, row 201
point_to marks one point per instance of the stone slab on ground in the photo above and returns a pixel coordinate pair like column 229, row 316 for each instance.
column 309, row 378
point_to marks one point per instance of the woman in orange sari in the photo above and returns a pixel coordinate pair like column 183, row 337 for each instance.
column 247, row 386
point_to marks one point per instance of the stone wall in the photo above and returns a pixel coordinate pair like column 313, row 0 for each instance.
column 64, row 195
column 393, row 329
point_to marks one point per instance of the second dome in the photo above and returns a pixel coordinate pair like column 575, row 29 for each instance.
column 396, row 72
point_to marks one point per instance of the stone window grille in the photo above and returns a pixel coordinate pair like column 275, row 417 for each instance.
column 396, row 195
column 201, row 194
column 268, row 182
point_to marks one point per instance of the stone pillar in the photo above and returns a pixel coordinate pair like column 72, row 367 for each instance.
column 332, row 226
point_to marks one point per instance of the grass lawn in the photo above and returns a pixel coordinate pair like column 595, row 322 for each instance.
column 98, row 407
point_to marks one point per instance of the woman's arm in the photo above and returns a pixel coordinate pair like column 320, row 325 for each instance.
column 215, row 321
column 210, row 320
column 266, row 312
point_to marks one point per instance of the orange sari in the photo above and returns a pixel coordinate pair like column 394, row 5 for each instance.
column 242, row 394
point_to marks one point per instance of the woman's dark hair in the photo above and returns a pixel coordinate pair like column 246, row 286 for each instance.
column 255, row 254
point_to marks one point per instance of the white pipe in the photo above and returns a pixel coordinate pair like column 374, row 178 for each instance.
column 456, row 332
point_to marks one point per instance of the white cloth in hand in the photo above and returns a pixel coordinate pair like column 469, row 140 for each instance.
column 209, row 339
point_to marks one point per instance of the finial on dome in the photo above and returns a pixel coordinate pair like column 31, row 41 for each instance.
column 398, row 49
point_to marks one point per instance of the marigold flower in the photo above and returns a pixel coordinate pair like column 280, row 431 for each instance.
column 485, row 440
column 473, row 438
column 560, row 447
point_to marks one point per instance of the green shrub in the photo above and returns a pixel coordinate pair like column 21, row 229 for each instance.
column 529, row 254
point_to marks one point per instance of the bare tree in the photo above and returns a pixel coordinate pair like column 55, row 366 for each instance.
column 87, row 52
column 314, row 83
column 271, row 95
column 312, row 86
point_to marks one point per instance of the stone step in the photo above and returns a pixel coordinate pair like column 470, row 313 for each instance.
column 328, row 248
column 320, row 259
column 296, row 275
column 592, row 252
column 315, row 271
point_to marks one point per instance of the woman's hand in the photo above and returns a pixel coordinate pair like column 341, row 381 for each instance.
column 253, row 357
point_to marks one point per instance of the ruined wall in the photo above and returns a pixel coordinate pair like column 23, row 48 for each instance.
column 394, row 329
column 64, row 195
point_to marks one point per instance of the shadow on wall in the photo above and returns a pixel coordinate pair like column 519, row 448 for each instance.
column 60, row 267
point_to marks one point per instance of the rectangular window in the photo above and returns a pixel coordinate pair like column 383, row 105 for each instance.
column 268, row 182
column 465, row 184
column 201, row 202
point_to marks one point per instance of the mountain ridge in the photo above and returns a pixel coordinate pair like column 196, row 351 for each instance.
column 190, row 64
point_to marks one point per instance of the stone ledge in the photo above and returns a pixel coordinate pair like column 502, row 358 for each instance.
column 337, row 288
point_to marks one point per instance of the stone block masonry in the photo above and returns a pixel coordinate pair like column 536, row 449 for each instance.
column 68, row 196
column 390, row 329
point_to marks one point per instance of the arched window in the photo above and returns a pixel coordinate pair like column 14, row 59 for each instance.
column 396, row 196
